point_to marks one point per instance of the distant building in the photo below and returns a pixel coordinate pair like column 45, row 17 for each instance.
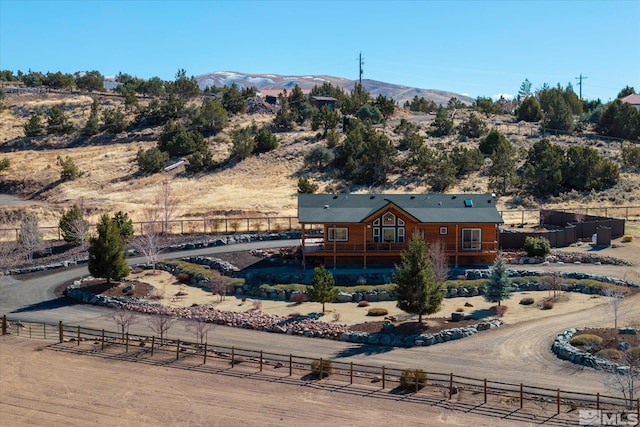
column 633, row 99
column 322, row 101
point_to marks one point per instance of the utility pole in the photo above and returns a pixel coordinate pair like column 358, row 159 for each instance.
column 360, row 63
column 580, row 83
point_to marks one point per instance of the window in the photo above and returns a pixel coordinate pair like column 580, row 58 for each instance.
column 376, row 235
column 444, row 230
column 338, row 234
column 389, row 235
column 388, row 219
column 400, row 235
column 471, row 239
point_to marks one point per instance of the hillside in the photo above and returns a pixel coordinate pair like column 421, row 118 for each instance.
column 273, row 81
column 261, row 185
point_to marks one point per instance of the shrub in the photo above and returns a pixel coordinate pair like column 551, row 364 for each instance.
column 585, row 339
column 152, row 160
column 547, row 305
column 627, row 238
column 183, row 277
column 410, row 377
column 299, row 298
column 321, row 367
column 537, row 246
column 70, row 171
column 459, row 309
column 377, row 311
column 527, row 301
column 363, row 303
column 610, row 353
column 633, row 355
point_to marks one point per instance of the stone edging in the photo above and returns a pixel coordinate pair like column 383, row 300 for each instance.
column 564, row 350
column 304, row 326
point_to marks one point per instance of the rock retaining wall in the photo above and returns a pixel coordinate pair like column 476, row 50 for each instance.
column 564, row 350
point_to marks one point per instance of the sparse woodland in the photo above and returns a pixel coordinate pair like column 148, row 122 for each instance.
column 64, row 140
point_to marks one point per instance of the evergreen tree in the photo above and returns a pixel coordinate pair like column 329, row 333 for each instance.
column 543, row 168
column 499, row 286
column 530, row 110
column 490, row 142
column 211, row 117
column 90, row 80
column 626, row 91
column 232, row 100
column 152, row 160
column 474, row 127
column 70, row 171
column 5, row 164
column 34, row 126
column 107, row 256
column 58, row 122
column 466, row 160
column 114, row 120
column 322, row 287
column 441, row 125
column 416, row 284
column 265, row 141
column 93, row 123
column 503, row 167
column 124, row 224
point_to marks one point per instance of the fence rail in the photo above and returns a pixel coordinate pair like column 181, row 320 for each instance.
column 94, row 341
column 267, row 224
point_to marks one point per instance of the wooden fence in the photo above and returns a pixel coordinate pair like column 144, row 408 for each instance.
column 267, row 224
column 197, row 355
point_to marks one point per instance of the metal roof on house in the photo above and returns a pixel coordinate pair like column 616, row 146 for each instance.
column 425, row 208
column 633, row 99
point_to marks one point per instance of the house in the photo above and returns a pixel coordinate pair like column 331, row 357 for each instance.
column 633, row 99
column 369, row 229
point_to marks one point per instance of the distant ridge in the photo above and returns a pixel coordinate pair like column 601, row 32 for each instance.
column 275, row 81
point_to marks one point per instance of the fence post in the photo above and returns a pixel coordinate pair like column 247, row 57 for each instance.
column 204, row 362
column 153, row 342
column 233, row 356
column 18, row 328
column 78, row 334
column 177, row 349
column 102, row 346
column 598, row 401
column 383, row 377
column 485, row 391
column 350, row 372
column 290, row 364
column 521, row 396
column 126, row 343
column 4, row 324
column 260, row 360
column 30, row 330
column 558, row 408
column 321, row 368
column 60, row 331
column 450, row 385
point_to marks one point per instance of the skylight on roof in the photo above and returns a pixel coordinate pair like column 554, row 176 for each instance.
column 468, row 203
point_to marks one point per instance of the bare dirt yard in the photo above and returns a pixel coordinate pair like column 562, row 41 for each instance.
column 40, row 386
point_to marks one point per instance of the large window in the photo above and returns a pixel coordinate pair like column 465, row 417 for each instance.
column 338, row 234
column 388, row 228
column 471, row 239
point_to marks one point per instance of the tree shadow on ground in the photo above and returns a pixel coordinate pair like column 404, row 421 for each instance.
column 364, row 349
column 47, row 305
column 482, row 313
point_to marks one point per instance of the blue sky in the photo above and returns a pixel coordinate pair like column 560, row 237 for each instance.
column 477, row 48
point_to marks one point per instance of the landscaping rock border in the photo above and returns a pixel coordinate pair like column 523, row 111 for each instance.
column 564, row 350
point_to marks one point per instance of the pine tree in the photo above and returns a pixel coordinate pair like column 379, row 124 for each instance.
column 93, row 123
column 34, row 126
column 106, row 251
column 416, row 285
column 322, row 287
column 499, row 286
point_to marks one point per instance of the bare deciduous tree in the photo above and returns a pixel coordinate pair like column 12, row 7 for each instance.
column 9, row 256
column 151, row 241
column 168, row 205
column 124, row 319
column 219, row 285
column 626, row 378
column 161, row 322
column 616, row 304
column 439, row 260
column 30, row 237
column 554, row 284
column 201, row 329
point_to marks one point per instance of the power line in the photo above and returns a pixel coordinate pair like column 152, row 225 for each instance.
column 580, row 83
